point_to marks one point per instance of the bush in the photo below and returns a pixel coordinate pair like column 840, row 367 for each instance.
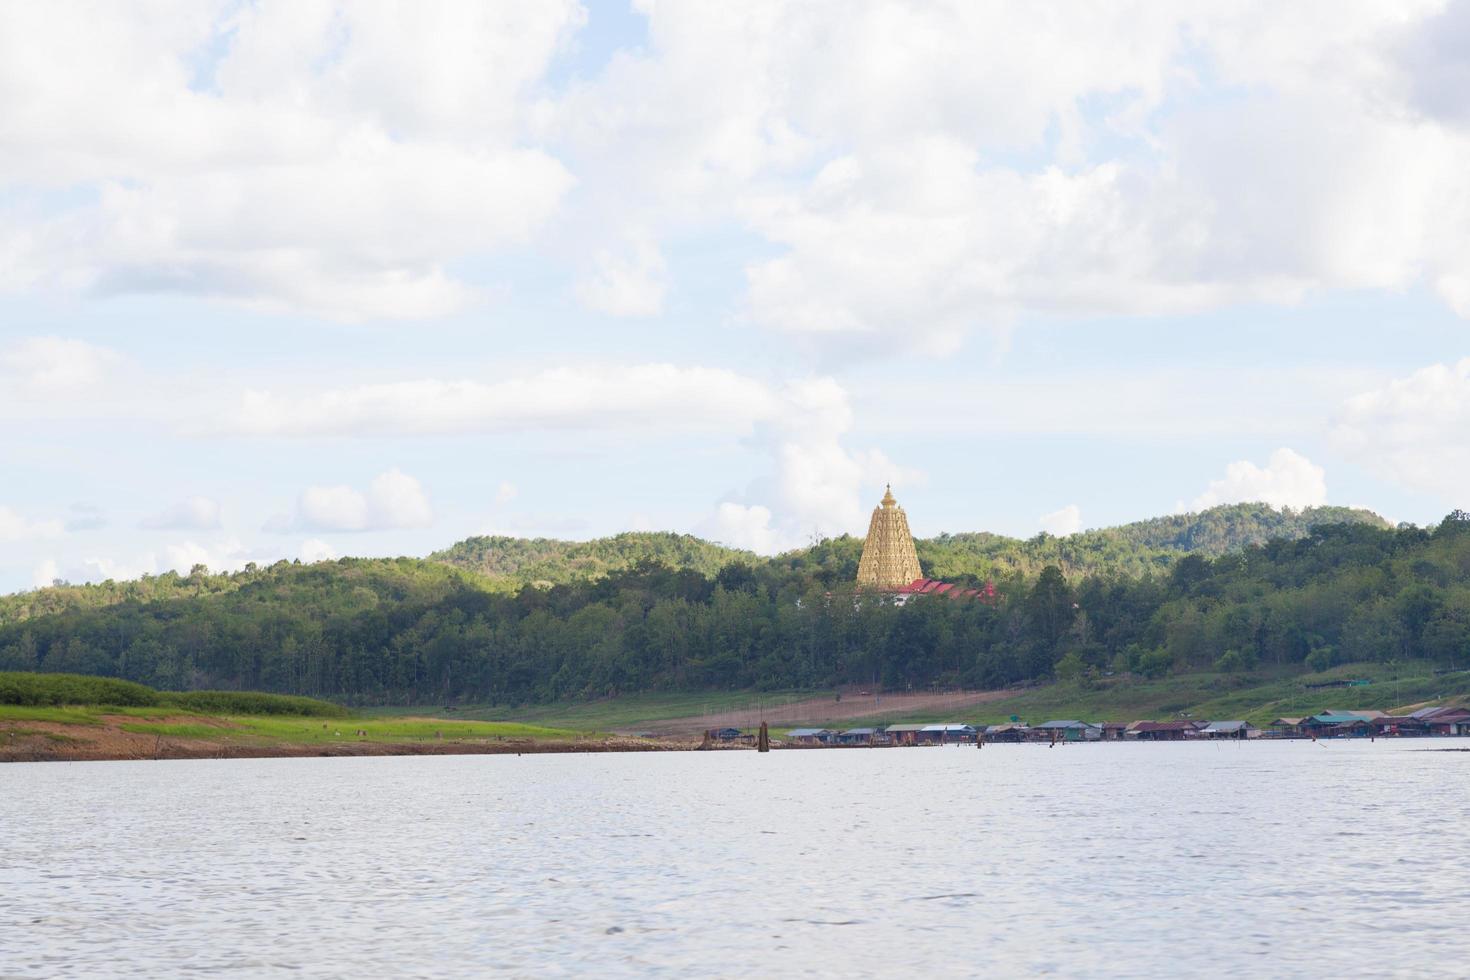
column 58, row 689
column 1321, row 658
column 47, row 690
column 1155, row 663
column 1230, row 662
column 251, row 703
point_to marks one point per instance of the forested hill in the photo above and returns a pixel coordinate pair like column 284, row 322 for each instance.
column 410, row 631
column 1141, row 548
column 520, row 561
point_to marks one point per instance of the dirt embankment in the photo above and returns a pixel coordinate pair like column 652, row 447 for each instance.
column 822, row 711
column 39, row 741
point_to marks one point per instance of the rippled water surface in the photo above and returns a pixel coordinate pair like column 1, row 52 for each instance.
column 1102, row 860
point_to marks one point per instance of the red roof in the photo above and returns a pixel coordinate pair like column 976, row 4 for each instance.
column 930, row 586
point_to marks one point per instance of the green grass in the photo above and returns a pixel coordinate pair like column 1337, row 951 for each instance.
column 176, row 731
column 59, row 716
column 1259, row 699
column 616, row 713
column 40, row 690
column 381, row 729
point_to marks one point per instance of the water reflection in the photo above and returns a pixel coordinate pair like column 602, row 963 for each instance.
column 1100, row 860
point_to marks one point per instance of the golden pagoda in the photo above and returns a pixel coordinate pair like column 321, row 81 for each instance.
column 889, row 560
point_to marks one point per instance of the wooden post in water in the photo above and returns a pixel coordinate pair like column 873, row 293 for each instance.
column 763, row 740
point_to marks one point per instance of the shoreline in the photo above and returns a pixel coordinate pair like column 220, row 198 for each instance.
column 41, row 748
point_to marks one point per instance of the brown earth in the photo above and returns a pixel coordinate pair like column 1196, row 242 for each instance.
column 42, row 741
column 822, row 711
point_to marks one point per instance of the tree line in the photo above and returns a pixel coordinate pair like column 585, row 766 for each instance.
column 416, row 631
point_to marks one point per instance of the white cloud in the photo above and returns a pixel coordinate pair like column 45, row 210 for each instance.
column 1288, row 479
column 748, row 527
column 1411, row 431
column 332, row 158
column 17, row 527
column 86, row 517
column 660, row 396
column 184, row 556
column 100, row 569
column 393, row 500
column 981, row 161
column 45, row 573
column 629, row 284
column 1062, row 522
column 55, row 366
column 817, row 484
column 314, row 550
column 193, row 513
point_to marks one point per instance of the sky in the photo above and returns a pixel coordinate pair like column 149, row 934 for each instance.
column 306, row 279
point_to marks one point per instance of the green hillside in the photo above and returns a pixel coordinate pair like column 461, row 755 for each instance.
column 517, row 561
column 413, row 631
column 1141, row 548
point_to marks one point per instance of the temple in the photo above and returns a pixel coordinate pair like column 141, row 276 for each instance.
column 889, row 561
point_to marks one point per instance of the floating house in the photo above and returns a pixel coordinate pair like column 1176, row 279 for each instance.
column 810, row 736
column 1402, row 726
column 1066, row 730
column 1286, row 727
column 1113, row 731
column 1330, row 724
column 941, row 734
column 1229, row 729
column 1161, row 731
column 1445, row 721
column 904, row 734
column 856, row 736
column 1009, row 732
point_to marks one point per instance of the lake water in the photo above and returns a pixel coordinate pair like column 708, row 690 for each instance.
column 1282, row 859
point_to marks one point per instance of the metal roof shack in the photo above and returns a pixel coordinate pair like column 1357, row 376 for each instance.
column 1113, row 731
column 1446, row 720
column 1009, row 732
column 905, row 734
column 1228, row 729
column 947, row 732
column 1067, row 730
column 1328, row 724
column 1401, row 726
column 810, row 736
column 1161, row 731
column 856, row 736
column 1286, row 728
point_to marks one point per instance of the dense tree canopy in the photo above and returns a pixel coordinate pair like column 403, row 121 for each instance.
column 407, row 630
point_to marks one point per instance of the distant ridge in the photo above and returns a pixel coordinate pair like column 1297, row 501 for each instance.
column 1138, row 548
column 547, row 560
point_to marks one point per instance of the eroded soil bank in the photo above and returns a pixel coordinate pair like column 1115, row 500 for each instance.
column 42, row 741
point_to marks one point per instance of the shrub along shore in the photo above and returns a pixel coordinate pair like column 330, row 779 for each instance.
column 68, row 717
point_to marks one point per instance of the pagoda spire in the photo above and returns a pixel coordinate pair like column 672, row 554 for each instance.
column 889, row 560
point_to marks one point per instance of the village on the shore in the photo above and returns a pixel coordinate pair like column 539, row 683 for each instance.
column 1423, row 723
column 890, row 566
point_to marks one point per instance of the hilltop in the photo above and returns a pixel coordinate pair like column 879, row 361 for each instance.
column 547, row 561
column 413, row 631
column 1140, row 548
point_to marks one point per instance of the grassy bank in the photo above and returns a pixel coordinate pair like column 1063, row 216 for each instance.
column 1258, row 698
column 617, row 714
column 59, row 716
column 35, row 690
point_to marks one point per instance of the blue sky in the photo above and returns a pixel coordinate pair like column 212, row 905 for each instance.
column 307, row 280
